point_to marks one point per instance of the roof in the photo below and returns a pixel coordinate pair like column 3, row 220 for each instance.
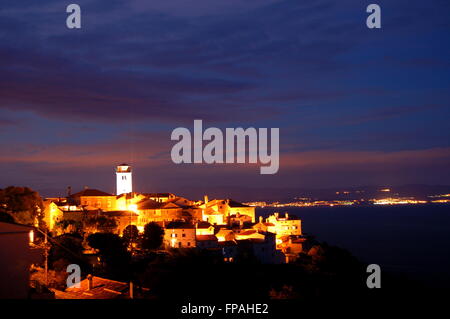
column 206, row 238
column 102, row 289
column 181, row 202
column 152, row 204
column 159, row 194
column 179, row 225
column 203, row 225
column 224, row 231
column 149, row 204
column 91, row 192
column 247, row 232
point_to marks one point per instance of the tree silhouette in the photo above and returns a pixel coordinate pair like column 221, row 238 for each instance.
column 153, row 236
column 113, row 252
column 130, row 234
column 22, row 203
column 5, row 217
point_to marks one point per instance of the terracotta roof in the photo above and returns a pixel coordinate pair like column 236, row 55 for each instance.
column 206, row 238
column 158, row 194
column 203, row 225
column 91, row 192
column 181, row 202
column 247, row 232
column 150, row 204
column 102, row 288
column 225, row 231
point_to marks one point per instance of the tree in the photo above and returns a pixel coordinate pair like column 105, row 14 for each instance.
column 130, row 234
column 22, row 203
column 5, row 217
column 153, row 236
column 66, row 249
column 113, row 252
column 100, row 223
column 106, row 243
column 68, row 226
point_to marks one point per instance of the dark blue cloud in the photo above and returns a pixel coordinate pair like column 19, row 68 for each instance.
column 309, row 67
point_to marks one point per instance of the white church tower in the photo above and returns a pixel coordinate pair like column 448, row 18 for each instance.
column 124, row 181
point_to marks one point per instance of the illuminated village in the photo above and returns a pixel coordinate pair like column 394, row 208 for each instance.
column 207, row 224
column 222, row 227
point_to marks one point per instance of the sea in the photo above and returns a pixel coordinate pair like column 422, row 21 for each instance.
column 412, row 240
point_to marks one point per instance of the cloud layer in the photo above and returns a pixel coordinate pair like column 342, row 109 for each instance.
column 347, row 99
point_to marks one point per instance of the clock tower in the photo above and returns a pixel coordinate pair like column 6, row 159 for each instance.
column 124, row 181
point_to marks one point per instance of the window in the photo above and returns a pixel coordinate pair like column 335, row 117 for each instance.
column 183, row 235
column 189, row 244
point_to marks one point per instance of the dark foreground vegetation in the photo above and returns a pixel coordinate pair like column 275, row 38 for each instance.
column 322, row 273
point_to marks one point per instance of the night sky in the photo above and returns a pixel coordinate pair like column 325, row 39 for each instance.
column 354, row 106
